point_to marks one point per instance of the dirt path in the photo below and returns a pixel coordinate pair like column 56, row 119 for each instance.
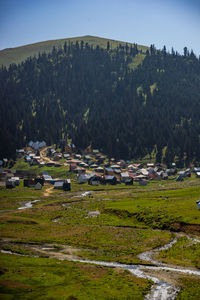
column 48, row 191
column 43, row 156
column 47, row 159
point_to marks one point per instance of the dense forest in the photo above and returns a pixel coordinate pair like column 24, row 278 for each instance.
column 104, row 98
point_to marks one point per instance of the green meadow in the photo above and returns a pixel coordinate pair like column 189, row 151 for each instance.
column 128, row 221
column 43, row 278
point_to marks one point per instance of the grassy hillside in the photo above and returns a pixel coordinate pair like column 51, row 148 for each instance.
column 19, row 54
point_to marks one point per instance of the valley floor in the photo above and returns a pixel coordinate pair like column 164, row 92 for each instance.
column 97, row 242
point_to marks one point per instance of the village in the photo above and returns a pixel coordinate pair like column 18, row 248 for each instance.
column 89, row 167
column 81, row 209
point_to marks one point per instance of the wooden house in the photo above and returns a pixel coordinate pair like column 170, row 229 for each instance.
column 10, row 184
column 124, row 176
column 108, row 179
column 108, row 171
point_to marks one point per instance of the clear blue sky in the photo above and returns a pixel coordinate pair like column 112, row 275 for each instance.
column 161, row 22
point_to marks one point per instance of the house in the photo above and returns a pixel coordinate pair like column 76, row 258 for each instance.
column 40, row 180
column 29, row 182
column 115, row 167
column 27, row 158
column 63, row 185
column 117, row 171
column 196, row 169
column 101, row 159
column 67, row 185
column 16, row 180
column 129, row 181
column 87, row 158
column 108, row 171
column 20, row 152
column 188, row 172
column 66, row 156
column 38, row 186
column 47, row 178
column 150, row 165
column 83, row 165
column 140, row 177
column 83, row 178
column 95, row 180
column 58, row 185
column 93, row 166
column 143, row 172
column 35, row 160
column 164, row 176
column 72, row 166
column 132, row 168
column 124, row 176
column 110, row 179
column 99, row 170
column 154, row 175
column 10, row 184
column 79, row 170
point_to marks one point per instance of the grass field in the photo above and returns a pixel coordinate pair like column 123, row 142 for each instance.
column 130, row 220
column 41, row 278
column 19, row 54
column 184, row 253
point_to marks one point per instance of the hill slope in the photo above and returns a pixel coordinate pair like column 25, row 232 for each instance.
column 19, row 54
column 103, row 98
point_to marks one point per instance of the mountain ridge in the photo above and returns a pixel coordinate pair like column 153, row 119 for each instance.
column 21, row 53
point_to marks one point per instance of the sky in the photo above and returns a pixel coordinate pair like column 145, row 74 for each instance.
column 173, row 23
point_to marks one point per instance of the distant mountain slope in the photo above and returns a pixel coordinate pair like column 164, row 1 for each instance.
column 19, row 54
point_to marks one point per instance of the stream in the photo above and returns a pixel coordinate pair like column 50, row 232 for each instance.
column 161, row 290
column 26, row 205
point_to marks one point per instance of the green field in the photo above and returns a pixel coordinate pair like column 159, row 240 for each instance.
column 41, row 278
column 19, row 54
column 130, row 220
